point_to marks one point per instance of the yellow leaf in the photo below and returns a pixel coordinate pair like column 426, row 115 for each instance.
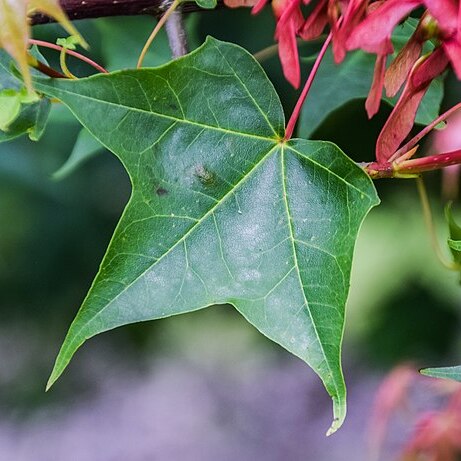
column 15, row 30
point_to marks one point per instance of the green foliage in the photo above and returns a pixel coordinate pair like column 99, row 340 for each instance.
column 208, row 4
column 223, row 210
column 21, row 112
column 454, row 242
column 69, row 43
column 84, row 149
column 453, row 373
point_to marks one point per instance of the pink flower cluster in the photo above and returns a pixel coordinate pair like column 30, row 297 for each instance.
column 368, row 25
column 436, row 434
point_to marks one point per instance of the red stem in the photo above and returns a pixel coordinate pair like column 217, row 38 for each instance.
column 429, row 163
column 299, row 104
column 413, row 166
column 69, row 52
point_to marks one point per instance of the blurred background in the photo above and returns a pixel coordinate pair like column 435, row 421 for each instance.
column 202, row 386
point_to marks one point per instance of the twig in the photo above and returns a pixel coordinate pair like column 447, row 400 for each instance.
column 79, row 9
column 176, row 34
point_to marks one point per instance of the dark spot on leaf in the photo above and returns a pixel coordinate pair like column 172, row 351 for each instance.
column 205, row 176
column 161, row 191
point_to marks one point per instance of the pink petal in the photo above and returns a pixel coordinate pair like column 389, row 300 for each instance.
column 452, row 48
column 374, row 96
column 446, row 14
column 401, row 120
column 401, row 66
column 288, row 51
column 390, row 397
column 429, row 69
column 354, row 12
column 316, row 22
column 374, row 32
column 259, row 6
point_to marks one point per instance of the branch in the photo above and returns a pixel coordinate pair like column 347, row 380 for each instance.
column 85, row 9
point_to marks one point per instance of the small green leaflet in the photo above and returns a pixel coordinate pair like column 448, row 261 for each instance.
column 454, row 242
column 454, row 245
column 443, row 372
column 207, row 4
column 222, row 209
column 19, row 113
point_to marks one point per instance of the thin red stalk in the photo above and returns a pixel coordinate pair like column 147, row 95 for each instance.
column 297, row 110
column 69, row 52
column 412, row 142
column 429, row 163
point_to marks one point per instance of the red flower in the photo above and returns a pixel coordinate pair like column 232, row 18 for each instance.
column 447, row 13
column 341, row 15
column 437, row 434
column 401, row 120
column 442, row 21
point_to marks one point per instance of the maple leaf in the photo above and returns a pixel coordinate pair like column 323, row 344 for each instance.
column 223, row 209
column 15, row 29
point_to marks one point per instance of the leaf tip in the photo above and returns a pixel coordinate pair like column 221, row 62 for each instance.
column 51, row 380
column 339, row 415
column 453, row 373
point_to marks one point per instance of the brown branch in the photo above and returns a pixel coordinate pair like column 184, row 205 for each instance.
column 85, row 9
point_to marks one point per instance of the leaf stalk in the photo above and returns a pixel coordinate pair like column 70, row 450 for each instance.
column 299, row 104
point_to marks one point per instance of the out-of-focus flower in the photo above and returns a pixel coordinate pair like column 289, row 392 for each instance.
column 391, row 396
column 369, row 25
column 340, row 15
column 442, row 22
column 437, row 434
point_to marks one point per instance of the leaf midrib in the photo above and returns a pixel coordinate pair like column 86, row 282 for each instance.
column 296, row 264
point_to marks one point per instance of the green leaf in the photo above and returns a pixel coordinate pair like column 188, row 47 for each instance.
column 443, row 372
column 335, row 85
column 222, row 209
column 120, row 36
column 85, row 148
column 454, row 242
column 208, row 4
column 10, row 106
column 69, row 43
column 29, row 116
